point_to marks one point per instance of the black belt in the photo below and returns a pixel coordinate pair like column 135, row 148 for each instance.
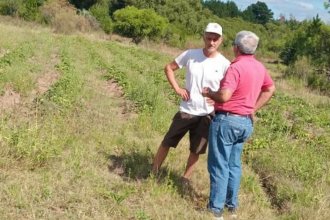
column 231, row 114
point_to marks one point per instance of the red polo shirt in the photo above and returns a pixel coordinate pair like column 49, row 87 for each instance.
column 246, row 77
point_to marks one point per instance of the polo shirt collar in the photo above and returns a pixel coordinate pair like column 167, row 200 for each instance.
column 243, row 56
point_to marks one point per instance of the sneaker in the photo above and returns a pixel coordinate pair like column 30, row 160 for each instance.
column 217, row 215
column 232, row 213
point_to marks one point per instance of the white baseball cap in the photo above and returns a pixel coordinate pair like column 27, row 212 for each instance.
column 213, row 28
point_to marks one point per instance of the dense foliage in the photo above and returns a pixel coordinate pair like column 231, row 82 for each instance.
column 222, row 9
column 311, row 40
column 27, row 9
column 101, row 13
column 139, row 23
column 258, row 13
column 83, row 4
column 327, row 5
column 177, row 21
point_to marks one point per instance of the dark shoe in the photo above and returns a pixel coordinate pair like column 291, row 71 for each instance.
column 232, row 213
column 217, row 215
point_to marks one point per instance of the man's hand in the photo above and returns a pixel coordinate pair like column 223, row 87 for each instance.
column 183, row 93
column 253, row 117
column 206, row 92
column 210, row 101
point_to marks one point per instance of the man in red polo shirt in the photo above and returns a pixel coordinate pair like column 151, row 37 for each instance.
column 246, row 87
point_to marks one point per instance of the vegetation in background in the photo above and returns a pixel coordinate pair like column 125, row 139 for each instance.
column 222, row 9
column 258, row 13
column 75, row 148
column 139, row 23
column 312, row 41
column 74, row 152
column 101, row 12
column 83, row 4
column 327, row 5
column 27, row 9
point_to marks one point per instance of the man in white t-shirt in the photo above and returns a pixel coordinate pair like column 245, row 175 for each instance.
column 205, row 67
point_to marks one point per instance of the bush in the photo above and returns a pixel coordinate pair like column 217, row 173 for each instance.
column 139, row 24
column 320, row 80
column 101, row 13
column 26, row 9
column 175, row 37
column 9, row 7
column 30, row 11
column 300, row 69
column 312, row 39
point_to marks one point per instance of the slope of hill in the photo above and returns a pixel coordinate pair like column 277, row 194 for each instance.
column 81, row 118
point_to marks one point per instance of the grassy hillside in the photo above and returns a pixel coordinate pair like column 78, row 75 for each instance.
column 81, row 118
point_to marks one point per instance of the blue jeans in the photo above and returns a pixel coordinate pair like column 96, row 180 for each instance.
column 226, row 137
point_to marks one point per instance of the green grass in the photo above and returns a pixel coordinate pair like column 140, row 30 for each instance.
column 82, row 151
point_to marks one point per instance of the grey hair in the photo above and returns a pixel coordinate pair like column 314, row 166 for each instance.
column 247, row 42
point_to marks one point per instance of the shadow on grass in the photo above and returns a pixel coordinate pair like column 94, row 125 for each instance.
column 136, row 166
column 130, row 166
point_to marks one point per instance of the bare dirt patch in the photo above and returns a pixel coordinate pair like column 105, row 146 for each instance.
column 48, row 78
column 9, row 99
column 13, row 100
column 112, row 89
column 45, row 82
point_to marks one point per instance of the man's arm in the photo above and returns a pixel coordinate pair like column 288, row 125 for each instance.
column 264, row 97
column 220, row 96
column 169, row 71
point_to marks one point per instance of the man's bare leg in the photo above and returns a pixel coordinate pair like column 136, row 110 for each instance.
column 159, row 158
column 192, row 160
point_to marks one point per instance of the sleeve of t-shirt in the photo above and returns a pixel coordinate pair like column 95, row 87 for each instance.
column 268, row 82
column 182, row 59
column 230, row 80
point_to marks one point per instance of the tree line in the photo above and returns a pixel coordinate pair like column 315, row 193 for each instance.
column 177, row 21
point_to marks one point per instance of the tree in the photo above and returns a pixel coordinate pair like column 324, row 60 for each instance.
column 327, row 5
column 310, row 40
column 258, row 13
column 83, row 4
column 141, row 4
column 139, row 23
column 221, row 9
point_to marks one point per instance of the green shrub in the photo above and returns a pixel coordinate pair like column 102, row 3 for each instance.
column 312, row 39
column 139, row 24
column 320, row 80
column 9, row 7
column 311, row 42
column 30, row 11
column 101, row 13
column 301, row 69
column 26, row 9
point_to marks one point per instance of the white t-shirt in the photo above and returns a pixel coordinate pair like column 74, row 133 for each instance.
column 201, row 72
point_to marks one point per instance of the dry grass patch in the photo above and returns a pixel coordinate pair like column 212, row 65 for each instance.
column 298, row 90
column 63, row 17
column 9, row 99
